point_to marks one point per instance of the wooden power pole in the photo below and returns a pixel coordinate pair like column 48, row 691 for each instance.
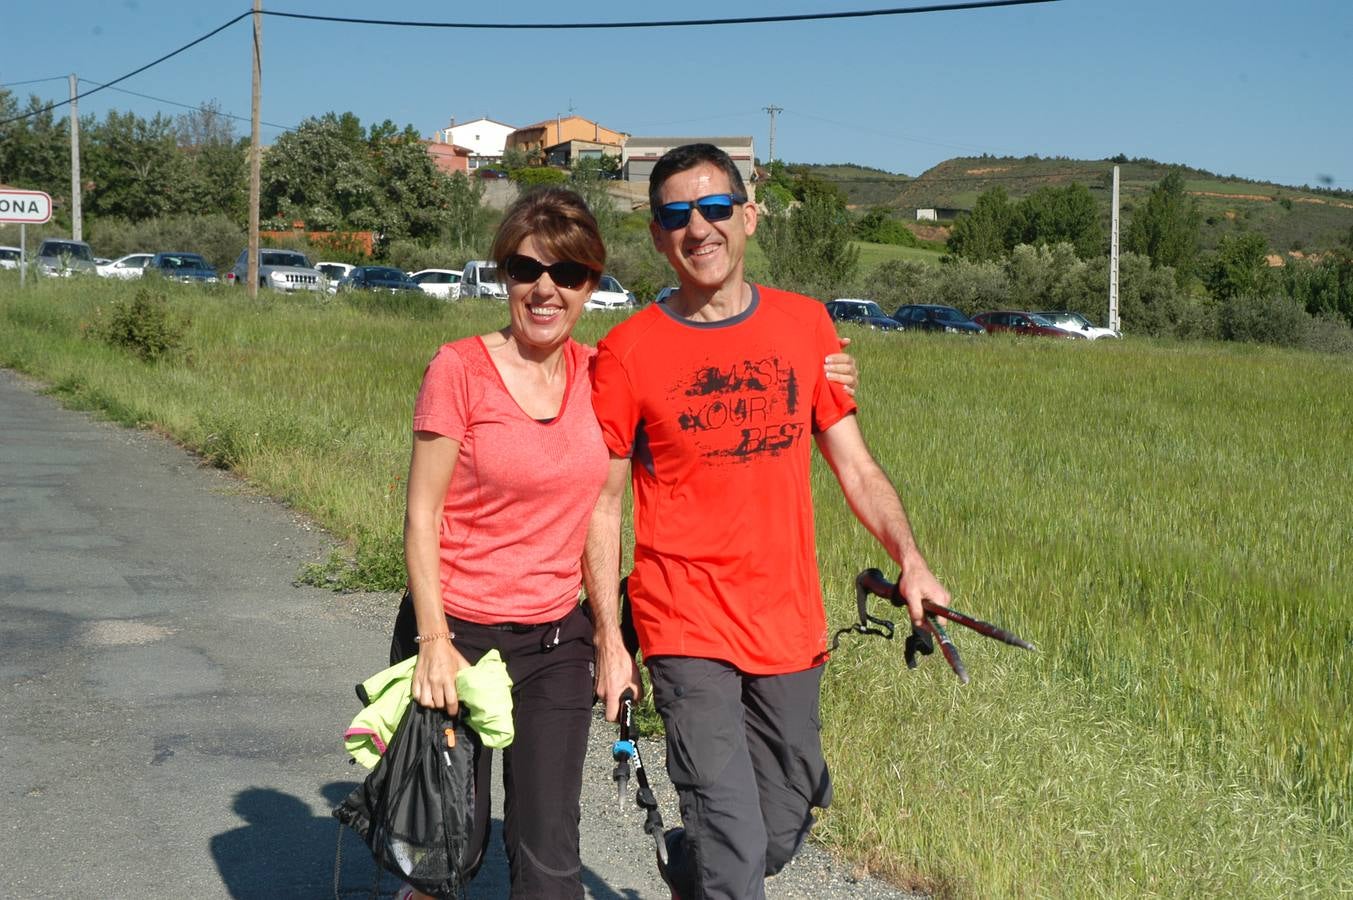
column 1113, row 259
column 255, row 153
column 76, row 217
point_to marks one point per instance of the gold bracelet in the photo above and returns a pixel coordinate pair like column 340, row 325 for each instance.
column 422, row 638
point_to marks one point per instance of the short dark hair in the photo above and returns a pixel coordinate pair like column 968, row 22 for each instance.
column 688, row 156
column 560, row 222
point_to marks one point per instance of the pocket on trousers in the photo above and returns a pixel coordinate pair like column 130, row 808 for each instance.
column 702, row 732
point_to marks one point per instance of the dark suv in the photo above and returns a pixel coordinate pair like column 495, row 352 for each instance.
column 933, row 317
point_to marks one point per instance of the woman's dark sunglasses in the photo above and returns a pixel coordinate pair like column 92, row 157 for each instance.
column 565, row 274
column 715, row 208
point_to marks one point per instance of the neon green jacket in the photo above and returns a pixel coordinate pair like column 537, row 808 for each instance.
column 484, row 689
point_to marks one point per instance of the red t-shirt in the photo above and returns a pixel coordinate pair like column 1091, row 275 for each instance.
column 522, row 492
column 718, row 420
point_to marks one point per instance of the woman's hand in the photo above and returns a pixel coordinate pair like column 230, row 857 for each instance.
column 841, row 368
column 434, row 675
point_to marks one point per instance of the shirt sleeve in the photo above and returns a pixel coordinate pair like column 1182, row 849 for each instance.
column 613, row 402
column 831, row 403
column 442, row 406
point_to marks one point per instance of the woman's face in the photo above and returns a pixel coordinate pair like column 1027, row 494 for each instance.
column 543, row 313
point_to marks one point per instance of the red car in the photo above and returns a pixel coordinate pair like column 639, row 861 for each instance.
column 1022, row 322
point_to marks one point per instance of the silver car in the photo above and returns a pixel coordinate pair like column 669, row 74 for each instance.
column 281, row 270
column 61, row 258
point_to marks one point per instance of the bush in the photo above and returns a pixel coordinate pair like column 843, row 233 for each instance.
column 214, row 236
column 1328, row 333
column 899, row 281
column 143, row 325
column 972, row 286
column 539, row 175
column 1263, row 319
column 412, row 256
column 638, row 266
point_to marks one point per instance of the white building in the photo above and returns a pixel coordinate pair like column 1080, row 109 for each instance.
column 484, row 138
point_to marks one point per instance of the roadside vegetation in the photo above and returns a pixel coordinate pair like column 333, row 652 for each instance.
column 1168, row 521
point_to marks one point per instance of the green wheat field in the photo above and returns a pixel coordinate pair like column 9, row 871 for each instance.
column 1170, row 523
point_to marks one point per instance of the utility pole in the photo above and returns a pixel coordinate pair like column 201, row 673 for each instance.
column 76, row 218
column 1113, row 259
column 772, row 109
column 255, row 154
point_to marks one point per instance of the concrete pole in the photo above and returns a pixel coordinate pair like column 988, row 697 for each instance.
column 772, row 109
column 255, row 154
column 76, row 216
column 1113, row 259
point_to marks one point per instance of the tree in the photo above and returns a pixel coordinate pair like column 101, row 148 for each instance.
column 1166, row 228
column 35, row 151
column 989, row 231
column 1239, row 267
column 466, row 217
column 808, row 247
column 205, row 126
column 132, row 167
column 1068, row 215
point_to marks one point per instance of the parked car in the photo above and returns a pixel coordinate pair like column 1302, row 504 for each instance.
column 934, row 317
column 1023, row 322
column 442, row 283
column 133, row 265
column 61, row 258
column 9, row 257
column 333, row 273
column 861, row 312
column 378, row 278
column 609, row 295
column 479, row 278
column 1077, row 323
column 281, row 270
column 184, row 267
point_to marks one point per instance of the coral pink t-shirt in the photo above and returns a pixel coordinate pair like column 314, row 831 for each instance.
column 518, row 504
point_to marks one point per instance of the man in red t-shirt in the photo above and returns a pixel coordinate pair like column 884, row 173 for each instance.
column 709, row 399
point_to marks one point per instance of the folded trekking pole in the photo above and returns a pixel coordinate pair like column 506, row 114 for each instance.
column 624, row 750
column 871, row 581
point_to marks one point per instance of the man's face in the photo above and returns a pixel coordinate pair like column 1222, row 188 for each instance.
column 706, row 255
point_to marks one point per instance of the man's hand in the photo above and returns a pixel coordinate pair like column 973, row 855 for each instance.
column 434, row 675
column 616, row 673
column 917, row 583
column 841, row 368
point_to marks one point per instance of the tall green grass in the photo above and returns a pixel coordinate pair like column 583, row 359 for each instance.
column 1170, row 523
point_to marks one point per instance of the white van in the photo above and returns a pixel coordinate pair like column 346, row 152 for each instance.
column 480, row 279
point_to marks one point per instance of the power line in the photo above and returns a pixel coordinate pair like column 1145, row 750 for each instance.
column 10, row 84
column 167, row 56
column 193, row 106
column 666, row 23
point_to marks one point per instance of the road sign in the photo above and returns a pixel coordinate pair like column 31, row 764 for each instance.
column 25, row 207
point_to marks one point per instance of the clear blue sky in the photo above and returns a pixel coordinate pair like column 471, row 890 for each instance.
column 1260, row 90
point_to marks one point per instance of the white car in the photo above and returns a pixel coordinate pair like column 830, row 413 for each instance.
column 9, row 257
column 442, row 283
column 479, row 278
column 1076, row 323
column 133, row 265
column 609, row 295
column 333, row 273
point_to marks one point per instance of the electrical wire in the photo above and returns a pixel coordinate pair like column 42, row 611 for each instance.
column 10, row 84
column 167, row 56
column 190, row 106
column 667, row 23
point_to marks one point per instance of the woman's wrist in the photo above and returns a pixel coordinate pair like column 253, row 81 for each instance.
column 434, row 636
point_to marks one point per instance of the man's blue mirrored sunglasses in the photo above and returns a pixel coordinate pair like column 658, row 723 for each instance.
column 715, row 208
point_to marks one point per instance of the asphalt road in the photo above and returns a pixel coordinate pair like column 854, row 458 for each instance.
column 172, row 703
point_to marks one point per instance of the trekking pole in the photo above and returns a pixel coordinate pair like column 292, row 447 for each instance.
column 623, row 751
column 872, row 581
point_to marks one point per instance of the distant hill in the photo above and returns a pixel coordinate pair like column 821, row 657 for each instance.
column 1290, row 218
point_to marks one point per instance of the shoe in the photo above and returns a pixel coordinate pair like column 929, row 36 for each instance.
column 672, row 868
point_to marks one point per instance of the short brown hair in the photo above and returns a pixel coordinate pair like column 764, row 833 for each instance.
column 560, row 222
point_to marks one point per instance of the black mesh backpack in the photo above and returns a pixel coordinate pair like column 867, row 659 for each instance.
column 415, row 810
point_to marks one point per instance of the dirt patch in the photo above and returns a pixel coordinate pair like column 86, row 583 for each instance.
column 989, row 170
column 1317, row 200
column 1259, row 197
column 930, row 232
